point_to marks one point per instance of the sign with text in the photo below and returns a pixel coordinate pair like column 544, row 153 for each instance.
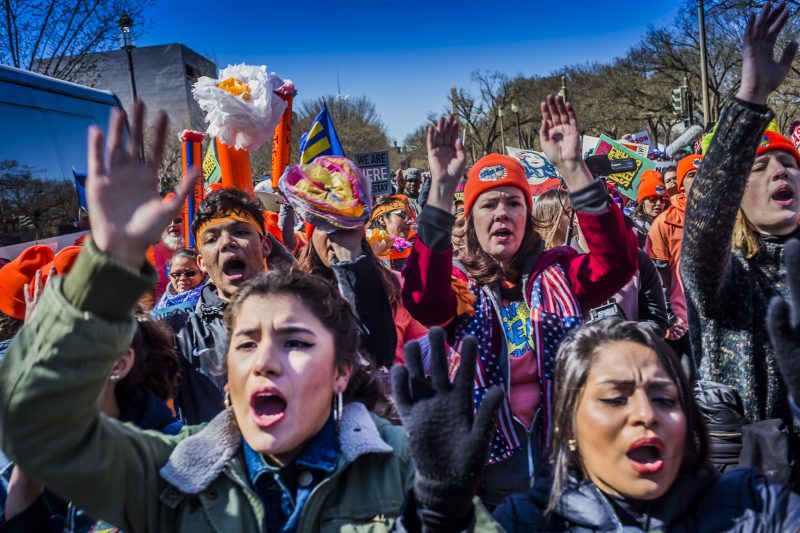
column 375, row 166
column 628, row 182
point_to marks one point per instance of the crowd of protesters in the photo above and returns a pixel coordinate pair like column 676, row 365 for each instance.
column 455, row 356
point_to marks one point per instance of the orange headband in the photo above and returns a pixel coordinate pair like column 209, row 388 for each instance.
column 230, row 216
column 394, row 205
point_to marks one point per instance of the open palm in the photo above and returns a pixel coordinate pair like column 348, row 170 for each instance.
column 125, row 209
column 761, row 74
column 560, row 134
column 446, row 157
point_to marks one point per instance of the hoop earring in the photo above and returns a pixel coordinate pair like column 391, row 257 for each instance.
column 572, row 445
column 338, row 407
column 227, row 400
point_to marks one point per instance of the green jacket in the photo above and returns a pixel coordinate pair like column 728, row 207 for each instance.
column 138, row 480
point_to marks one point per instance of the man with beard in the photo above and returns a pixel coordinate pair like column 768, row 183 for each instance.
column 234, row 247
column 160, row 254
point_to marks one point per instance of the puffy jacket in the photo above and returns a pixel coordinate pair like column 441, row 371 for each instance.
column 738, row 501
column 143, row 481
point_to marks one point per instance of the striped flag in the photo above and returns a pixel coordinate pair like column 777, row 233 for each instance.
column 321, row 139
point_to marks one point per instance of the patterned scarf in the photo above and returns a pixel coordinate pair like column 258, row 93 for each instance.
column 554, row 311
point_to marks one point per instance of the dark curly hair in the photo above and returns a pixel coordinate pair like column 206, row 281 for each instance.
column 9, row 326
column 325, row 303
column 155, row 366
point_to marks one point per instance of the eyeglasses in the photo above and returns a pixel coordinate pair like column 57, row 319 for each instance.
column 186, row 273
column 402, row 214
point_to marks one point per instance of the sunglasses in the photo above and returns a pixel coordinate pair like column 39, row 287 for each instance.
column 186, row 273
column 177, row 220
column 402, row 214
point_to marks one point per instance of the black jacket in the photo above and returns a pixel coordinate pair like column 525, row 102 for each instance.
column 738, row 501
column 360, row 284
column 652, row 303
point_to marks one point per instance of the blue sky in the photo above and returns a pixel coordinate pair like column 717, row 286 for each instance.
column 404, row 55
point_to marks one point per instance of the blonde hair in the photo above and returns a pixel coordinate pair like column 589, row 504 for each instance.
column 547, row 212
column 745, row 236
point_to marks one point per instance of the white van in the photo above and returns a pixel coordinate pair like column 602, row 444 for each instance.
column 43, row 143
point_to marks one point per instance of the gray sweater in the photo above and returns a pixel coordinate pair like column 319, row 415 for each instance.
column 726, row 294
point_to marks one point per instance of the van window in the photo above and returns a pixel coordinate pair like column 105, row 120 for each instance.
column 43, row 144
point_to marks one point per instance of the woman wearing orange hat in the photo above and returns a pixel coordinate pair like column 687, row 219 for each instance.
column 743, row 208
column 504, row 288
column 664, row 244
column 651, row 201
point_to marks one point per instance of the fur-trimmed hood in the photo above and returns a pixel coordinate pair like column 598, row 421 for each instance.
column 200, row 458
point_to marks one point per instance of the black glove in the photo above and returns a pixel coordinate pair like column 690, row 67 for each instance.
column 449, row 448
column 783, row 323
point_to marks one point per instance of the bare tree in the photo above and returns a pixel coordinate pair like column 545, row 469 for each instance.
column 56, row 37
column 358, row 124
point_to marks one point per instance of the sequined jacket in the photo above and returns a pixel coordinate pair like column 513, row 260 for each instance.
column 727, row 294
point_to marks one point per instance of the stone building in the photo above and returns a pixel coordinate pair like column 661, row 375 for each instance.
column 164, row 77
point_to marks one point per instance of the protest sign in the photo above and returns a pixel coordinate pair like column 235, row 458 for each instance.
column 626, row 183
column 641, row 149
column 663, row 166
column 375, row 166
column 643, row 137
column 588, row 144
column 541, row 173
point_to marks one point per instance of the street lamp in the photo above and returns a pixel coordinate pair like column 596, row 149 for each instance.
column 502, row 133
column 564, row 92
column 125, row 23
column 515, row 110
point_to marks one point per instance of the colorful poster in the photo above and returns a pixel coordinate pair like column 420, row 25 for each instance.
column 641, row 149
column 588, row 144
column 542, row 174
column 626, row 183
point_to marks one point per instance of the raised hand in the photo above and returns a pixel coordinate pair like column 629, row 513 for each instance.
column 561, row 142
column 125, row 209
column 447, row 161
column 346, row 243
column 448, row 444
column 783, row 323
column 761, row 74
column 32, row 296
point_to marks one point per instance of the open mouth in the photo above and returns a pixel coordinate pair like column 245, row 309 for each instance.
column 645, row 455
column 268, row 408
column 502, row 235
column 234, row 269
column 783, row 195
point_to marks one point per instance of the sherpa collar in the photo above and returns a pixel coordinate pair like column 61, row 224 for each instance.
column 200, row 458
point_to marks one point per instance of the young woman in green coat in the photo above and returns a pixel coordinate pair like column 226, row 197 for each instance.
column 294, row 451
